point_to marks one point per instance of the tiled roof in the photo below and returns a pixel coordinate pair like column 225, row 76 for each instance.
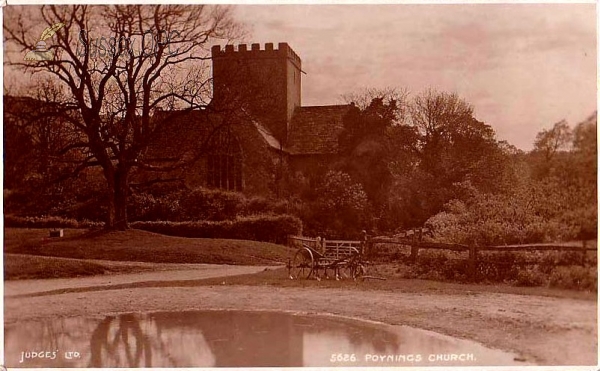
column 315, row 129
column 186, row 134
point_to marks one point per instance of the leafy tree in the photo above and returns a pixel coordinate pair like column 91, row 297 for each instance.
column 366, row 146
column 549, row 145
column 549, row 142
column 340, row 210
column 35, row 136
column 585, row 149
column 375, row 143
column 37, row 173
column 560, row 204
column 569, row 173
column 413, row 156
column 452, row 147
column 19, row 156
column 487, row 219
column 114, row 89
column 375, row 111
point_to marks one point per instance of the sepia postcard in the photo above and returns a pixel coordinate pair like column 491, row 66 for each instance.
column 343, row 185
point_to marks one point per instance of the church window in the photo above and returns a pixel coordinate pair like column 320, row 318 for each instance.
column 224, row 161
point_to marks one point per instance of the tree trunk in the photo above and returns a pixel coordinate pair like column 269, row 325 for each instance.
column 118, row 185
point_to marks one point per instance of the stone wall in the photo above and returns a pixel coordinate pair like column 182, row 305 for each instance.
column 266, row 82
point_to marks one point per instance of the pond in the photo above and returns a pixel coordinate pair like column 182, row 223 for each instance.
column 235, row 339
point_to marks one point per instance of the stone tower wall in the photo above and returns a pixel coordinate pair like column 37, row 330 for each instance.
column 265, row 82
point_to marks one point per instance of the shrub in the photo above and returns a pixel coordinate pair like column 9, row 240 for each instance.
column 388, row 252
column 211, row 204
column 148, row 207
column 574, row 277
column 496, row 219
column 258, row 205
column 262, row 205
column 520, row 268
column 93, row 209
column 140, row 206
column 201, row 204
column 47, row 222
column 267, row 228
column 340, row 209
column 530, row 276
column 445, row 265
column 498, row 266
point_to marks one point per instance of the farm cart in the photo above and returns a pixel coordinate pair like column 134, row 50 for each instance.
column 330, row 259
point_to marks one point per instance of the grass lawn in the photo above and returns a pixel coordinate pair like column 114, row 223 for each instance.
column 278, row 277
column 17, row 266
column 29, row 253
column 131, row 245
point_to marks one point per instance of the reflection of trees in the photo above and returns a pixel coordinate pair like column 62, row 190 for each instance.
column 138, row 341
column 197, row 339
column 120, row 342
column 188, row 339
column 212, row 338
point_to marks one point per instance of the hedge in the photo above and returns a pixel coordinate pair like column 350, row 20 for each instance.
column 201, row 204
column 13, row 221
column 266, row 228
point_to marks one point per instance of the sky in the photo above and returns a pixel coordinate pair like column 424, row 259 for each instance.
column 523, row 67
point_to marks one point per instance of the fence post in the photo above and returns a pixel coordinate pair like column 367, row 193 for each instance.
column 414, row 252
column 364, row 242
column 472, row 261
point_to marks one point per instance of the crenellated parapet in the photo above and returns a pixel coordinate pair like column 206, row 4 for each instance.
column 255, row 52
column 267, row 80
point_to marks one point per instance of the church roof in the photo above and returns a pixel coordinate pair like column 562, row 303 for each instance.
column 187, row 133
column 315, row 129
column 267, row 136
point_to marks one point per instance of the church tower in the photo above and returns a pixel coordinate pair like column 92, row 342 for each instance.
column 264, row 82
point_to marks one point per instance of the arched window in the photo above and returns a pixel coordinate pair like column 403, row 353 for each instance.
column 224, row 161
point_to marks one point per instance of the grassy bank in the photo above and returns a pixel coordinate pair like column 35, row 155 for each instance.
column 18, row 267
column 29, row 253
column 278, row 277
column 131, row 246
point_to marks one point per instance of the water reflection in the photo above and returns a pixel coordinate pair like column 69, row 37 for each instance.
column 231, row 339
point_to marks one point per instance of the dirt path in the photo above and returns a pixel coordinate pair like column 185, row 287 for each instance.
column 171, row 272
column 544, row 330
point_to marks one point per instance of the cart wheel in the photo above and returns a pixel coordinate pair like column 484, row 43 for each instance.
column 358, row 272
column 302, row 265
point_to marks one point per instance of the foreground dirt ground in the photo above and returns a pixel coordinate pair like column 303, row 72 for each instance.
column 542, row 330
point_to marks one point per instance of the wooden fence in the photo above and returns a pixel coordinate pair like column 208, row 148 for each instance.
column 414, row 240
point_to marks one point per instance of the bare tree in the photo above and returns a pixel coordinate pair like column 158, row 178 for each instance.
column 549, row 142
column 120, row 65
column 435, row 114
